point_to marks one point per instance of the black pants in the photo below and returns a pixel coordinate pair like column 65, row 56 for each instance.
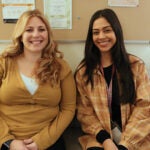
column 95, row 148
column 59, row 145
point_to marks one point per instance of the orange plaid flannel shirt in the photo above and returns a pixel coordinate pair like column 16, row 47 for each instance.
column 93, row 111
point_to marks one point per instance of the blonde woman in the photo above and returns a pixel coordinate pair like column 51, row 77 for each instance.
column 35, row 105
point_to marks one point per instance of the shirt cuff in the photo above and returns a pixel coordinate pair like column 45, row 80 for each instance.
column 121, row 147
column 102, row 136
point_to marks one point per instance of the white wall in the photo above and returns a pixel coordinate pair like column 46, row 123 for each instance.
column 141, row 50
column 73, row 52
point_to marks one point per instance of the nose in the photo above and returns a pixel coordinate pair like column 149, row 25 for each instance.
column 35, row 33
column 101, row 35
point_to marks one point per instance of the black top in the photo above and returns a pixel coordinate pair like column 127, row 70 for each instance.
column 115, row 105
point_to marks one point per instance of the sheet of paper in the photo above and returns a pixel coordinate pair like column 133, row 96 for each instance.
column 123, row 3
column 59, row 13
column 12, row 9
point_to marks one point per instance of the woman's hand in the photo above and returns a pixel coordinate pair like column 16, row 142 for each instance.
column 30, row 144
column 18, row 145
column 108, row 144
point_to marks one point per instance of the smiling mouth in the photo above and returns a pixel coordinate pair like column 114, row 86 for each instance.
column 103, row 43
column 36, row 42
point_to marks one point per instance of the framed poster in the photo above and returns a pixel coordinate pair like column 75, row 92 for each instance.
column 59, row 13
column 123, row 3
column 11, row 10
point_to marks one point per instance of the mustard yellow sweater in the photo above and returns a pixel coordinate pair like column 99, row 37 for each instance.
column 42, row 116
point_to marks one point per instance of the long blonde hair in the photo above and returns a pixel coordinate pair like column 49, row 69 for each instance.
column 48, row 68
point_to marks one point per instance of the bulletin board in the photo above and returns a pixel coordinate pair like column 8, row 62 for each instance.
column 135, row 20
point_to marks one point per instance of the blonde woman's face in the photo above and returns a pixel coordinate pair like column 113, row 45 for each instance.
column 35, row 36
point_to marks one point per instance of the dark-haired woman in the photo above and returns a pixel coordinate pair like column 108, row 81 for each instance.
column 113, row 86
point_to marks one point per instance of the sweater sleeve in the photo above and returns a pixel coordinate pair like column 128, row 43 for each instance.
column 4, row 132
column 138, row 126
column 2, row 69
column 102, row 136
column 4, row 129
column 49, row 135
column 85, row 112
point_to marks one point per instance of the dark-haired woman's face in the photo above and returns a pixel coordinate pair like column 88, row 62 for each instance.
column 103, row 35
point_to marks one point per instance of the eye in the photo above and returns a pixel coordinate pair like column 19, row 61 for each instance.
column 95, row 32
column 107, row 30
column 29, row 30
column 41, row 29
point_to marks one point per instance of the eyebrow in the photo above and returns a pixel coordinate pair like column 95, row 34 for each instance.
column 102, row 28
column 37, row 26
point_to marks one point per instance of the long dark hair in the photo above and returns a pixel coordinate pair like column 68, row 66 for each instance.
column 120, row 58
